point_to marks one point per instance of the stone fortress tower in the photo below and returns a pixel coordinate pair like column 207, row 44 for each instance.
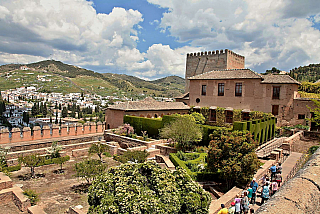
column 202, row 62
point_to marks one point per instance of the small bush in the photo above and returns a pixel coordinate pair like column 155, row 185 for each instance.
column 32, row 195
column 13, row 168
column 312, row 149
column 107, row 154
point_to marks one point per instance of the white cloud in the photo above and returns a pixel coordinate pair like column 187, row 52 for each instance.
column 269, row 32
column 68, row 30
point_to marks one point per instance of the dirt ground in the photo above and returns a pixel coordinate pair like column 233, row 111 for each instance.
column 57, row 192
column 304, row 144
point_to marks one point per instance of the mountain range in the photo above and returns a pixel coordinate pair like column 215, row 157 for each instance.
column 56, row 76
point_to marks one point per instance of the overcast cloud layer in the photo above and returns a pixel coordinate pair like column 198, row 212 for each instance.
column 280, row 33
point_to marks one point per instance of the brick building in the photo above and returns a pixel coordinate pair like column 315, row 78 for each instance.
column 219, row 78
column 148, row 107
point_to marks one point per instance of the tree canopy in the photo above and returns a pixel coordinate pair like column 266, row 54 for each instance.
column 182, row 130
column 233, row 155
column 99, row 149
column 146, row 188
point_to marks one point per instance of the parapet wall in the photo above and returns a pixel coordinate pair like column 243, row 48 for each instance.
column 39, row 133
column 300, row 194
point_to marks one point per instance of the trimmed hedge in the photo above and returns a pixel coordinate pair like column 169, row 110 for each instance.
column 183, row 164
column 261, row 129
column 139, row 124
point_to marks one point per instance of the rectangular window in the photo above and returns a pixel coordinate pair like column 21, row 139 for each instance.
column 213, row 115
column 221, row 89
column 276, row 92
column 245, row 116
column 229, row 116
column 238, row 89
column 301, row 116
column 275, row 110
column 204, row 90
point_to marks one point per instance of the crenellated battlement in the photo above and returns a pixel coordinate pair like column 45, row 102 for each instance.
column 38, row 133
column 217, row 52
column 202, row 62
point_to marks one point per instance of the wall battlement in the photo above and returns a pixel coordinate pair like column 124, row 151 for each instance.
column 38, row 133
column 202, row 62
column 217, row 52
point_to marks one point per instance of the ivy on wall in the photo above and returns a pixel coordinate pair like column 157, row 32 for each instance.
column 221, row 116
column 237, row 115
column 205, row 112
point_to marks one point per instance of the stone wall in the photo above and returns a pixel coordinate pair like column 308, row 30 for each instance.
column 47, row 132
column 130, row 141
column 300, row 194
column 165, row 150
column 14, row 194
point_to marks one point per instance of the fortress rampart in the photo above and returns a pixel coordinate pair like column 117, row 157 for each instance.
column 17, row 135
column 202, row 62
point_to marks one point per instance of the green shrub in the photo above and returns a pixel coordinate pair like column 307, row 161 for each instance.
column 13, row 168
column 32, row 195
column 107, row 154
column 312, row 149
column 299, row 126
column 140, row 124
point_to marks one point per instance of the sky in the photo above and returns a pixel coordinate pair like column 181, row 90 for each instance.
column 151, row 38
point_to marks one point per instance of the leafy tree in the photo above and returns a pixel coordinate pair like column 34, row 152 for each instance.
column 199, row 118
column 3, row 157
column 25, row 117
column 133, row 156
column 146, row 188
column 182, row 130
column 31, row 161
column 316, row 112
column 45, row 110
column 64, row 112
column 60, row 161
column 90, row 169
column 233, row 155
column 99, row 149
column 2, row 107
column 54, row 150
column 273, row 70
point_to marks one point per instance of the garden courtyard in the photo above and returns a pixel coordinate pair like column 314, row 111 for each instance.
column 57, row 192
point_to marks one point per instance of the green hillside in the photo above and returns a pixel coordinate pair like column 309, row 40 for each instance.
column 68, row 78
column 310, row 73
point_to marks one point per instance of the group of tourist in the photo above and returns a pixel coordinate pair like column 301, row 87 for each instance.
column 270, row 183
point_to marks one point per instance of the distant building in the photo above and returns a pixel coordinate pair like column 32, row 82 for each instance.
column 148, row 107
